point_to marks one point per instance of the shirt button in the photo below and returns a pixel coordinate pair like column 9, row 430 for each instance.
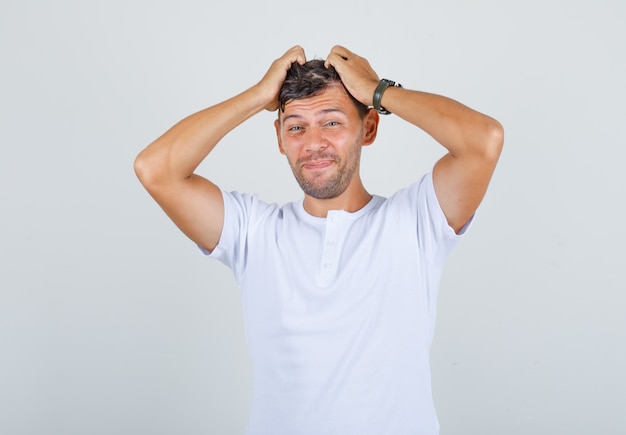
column 327, row 265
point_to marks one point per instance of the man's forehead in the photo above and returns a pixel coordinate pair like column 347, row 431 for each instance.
column 333, row 99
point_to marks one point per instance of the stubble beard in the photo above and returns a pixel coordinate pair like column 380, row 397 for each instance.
column 322, row 185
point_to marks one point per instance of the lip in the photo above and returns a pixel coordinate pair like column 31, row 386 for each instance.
column 317, row 164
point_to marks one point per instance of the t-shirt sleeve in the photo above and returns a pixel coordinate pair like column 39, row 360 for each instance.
column 435, row 236
column 231, row 248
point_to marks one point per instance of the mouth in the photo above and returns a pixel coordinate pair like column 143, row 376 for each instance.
column 317, row 164
column 317, row 161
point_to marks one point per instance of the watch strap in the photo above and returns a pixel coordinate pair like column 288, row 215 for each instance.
column 383, row 84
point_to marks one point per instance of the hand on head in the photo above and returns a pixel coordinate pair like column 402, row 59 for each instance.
column 275, row 76
column 355, row 71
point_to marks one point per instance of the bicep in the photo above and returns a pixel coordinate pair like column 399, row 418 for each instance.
column 196, row 206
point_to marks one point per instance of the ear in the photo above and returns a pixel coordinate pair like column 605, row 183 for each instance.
column 280, row 142
column 370, row 125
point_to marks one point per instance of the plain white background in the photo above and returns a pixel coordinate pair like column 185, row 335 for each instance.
column 111, row 322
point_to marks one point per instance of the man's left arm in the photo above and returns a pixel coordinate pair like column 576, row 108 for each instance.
column 473, row 140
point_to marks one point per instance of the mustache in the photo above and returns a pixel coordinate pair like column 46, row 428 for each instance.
column 317, row 155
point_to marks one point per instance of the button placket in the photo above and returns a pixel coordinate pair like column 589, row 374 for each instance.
column 330, row 255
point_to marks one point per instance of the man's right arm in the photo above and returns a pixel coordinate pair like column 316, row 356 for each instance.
column 166, row 167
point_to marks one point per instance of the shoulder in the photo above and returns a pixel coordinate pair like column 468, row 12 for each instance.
column 246, row 203
column 419, row 203
column 249, row 208
column 421, row 191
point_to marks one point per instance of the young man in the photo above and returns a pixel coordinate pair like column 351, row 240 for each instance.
column 339, row 289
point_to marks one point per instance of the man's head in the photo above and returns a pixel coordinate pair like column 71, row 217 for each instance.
column 309, row 80
column 321, row 129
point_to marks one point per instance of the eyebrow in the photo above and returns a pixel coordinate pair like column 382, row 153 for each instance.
column 321, row 112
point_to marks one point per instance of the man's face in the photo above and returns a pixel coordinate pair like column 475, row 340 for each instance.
column 322, row 138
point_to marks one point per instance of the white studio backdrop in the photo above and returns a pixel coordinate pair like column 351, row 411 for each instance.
column 112, row 322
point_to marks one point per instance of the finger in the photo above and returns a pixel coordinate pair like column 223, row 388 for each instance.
column 338, row 53
column 296, row 54
column 335, row 59
column 341, row 51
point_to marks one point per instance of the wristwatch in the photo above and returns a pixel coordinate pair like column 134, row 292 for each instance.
column 383, row 84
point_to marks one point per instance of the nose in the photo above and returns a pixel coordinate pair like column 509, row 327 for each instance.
column 315, row 140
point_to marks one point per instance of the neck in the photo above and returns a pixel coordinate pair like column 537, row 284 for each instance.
column 352, row 199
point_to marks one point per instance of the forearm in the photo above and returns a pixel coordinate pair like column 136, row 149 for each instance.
column 460, row 129
column 178, row 152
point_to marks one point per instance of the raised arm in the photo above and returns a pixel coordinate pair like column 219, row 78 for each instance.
column 473, row 140
column 166, row 167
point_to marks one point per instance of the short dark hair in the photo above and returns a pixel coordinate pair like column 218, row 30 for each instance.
column 311, row 79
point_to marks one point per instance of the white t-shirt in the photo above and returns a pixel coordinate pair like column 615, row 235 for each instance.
column 339, row 311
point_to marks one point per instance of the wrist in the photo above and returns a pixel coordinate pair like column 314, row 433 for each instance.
column 383, row 84
column 264, row 96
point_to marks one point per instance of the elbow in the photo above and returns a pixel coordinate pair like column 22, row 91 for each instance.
column 493, row 141
column 140, row 167
column 145, row 169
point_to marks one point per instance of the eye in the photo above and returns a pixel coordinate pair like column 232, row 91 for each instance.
column 332, row 123
column 295, row 128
